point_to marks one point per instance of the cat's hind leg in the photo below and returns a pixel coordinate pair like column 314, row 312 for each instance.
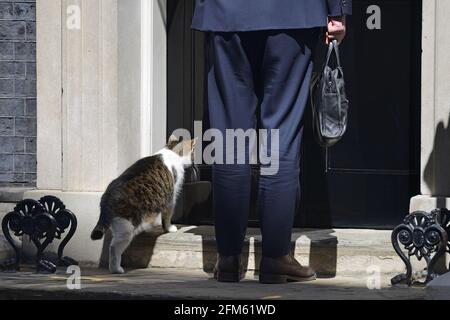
column 122, row 232
column 166, row 217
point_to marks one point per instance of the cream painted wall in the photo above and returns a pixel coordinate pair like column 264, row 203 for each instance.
column 142, row 78
column 101, row 89
column 89, row 100
column 49, row 95
column 435, row 144
column 435, row 98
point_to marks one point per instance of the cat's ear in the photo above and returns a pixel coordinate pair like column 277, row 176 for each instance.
column 194, row 142
column 173, row 139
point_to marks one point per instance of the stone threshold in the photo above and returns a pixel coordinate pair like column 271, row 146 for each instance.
column 332, row 252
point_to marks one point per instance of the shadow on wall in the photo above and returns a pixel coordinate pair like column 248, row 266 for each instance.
column 162, row 10
column 436, row 173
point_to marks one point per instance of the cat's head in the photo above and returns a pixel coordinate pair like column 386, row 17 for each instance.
column 183, row 148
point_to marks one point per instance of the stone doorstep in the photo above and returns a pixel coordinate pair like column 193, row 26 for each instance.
column 330, row 252
column 339, row 252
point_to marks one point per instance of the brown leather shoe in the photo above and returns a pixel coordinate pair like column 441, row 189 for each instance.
column 284, row 269
column 229, row 269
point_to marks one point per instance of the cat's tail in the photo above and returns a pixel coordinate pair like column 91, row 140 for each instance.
column 102, row 224
column 98, row 232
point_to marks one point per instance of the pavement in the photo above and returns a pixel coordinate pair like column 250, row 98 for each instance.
column 174, row 284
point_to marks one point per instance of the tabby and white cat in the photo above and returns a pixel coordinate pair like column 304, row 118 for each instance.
column 144, row 196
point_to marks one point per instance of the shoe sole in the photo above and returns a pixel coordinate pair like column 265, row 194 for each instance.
column 228, row 277
column 267, row 278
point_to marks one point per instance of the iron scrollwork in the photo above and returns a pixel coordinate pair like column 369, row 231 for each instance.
column 42, row 221
column 423, row 235
column 64, row 219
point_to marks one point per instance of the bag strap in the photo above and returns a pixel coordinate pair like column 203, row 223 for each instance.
column 333, row 46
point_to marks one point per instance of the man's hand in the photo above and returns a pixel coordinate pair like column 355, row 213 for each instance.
column 336, row 29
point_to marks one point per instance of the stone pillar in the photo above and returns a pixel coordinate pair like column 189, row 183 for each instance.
column 435, row 146
column 101, row 100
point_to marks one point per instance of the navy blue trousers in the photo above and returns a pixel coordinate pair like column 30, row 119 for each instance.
column 259, row 79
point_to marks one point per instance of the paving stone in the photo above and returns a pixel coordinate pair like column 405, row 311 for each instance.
column 185, row 284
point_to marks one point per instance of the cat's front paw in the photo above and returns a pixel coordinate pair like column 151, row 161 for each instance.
column 116, row 270
column 172, row 229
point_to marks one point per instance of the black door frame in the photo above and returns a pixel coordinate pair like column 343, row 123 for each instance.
column 186, row 99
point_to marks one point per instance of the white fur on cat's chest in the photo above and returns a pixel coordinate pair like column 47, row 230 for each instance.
column 174, row 162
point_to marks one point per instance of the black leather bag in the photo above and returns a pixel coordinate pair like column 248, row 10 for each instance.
column 328, row 100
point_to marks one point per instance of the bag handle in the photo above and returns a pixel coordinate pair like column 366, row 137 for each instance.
column 333, row 46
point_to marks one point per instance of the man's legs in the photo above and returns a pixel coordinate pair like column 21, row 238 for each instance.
column 287, row 70
column 232, row 104
column 276, row 66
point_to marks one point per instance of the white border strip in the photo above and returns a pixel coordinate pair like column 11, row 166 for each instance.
column 146, row 76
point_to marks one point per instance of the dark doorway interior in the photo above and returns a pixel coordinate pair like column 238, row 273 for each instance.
column 366, row 180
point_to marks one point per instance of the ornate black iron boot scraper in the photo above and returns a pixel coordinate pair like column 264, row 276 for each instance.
column 42, row 221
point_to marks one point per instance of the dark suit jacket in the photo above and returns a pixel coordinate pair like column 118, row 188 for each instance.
column 249, row 15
